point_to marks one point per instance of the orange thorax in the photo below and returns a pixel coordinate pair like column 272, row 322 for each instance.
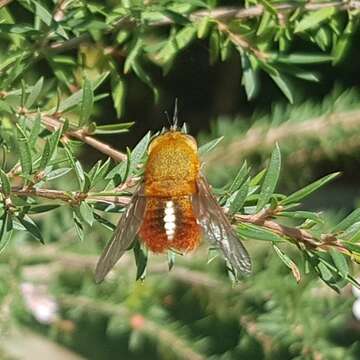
column 173, row 166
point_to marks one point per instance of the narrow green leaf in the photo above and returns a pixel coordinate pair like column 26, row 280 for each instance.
column 10, row 59
column 5, row 183
column 344, row 42
column 104, row 222
column 133, row 53
column 352, row 232
column 214, row 46
column 38, row 209
column 76, row 166
column 5, row 107
column 314, row 19
column 340, row 262
column 352, row 218
column 141, row 258
column 79, row 171
column 288, row 262
column 203, row 27
column 303, row 215
column 145, row 77
column 323, row 37
column 46, row 155
column 24, row 151
column 35, row 92
column 249, row 231
column 31, row 227
column 268, row 7
column 179, row 41
column 5, row 231
column 54, row 141
column 249, row 78
column 171, row 256
column 265, row 23
column 257, row 178
column 302, row 58
column 271, row 179
column 239, row 200
column 87, row 184
column 54, row 174
column 87, row 212
column 35, row 130
column 284, row 85
column 325, row 273
column 239, row 178
column 118, row 94
column 176, row 17
column 226, row 49
column 78, row 226
column 87, row 103
column 203, row 149
column 42, row 13
column 113, row 128
column 76, row 98
column 71, row 101
column 300, row 73
column 307, row 190
column 100, row 173
column 139, row 151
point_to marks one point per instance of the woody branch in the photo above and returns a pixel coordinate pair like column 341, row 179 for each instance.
column 225, row 13
column 263, row 219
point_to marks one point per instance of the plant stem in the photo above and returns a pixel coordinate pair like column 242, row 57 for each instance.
column 221, row 13
column 300, row 236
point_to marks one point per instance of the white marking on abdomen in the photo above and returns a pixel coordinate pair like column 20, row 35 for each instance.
column 169, row 220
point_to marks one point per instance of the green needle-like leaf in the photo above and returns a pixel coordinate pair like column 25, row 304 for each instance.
column 271, row 179
column 307, row 190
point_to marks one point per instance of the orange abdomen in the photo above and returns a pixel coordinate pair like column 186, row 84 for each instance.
column 169, row 223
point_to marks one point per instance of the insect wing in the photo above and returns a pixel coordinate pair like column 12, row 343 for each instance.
column 218, row 229
column 123, row 236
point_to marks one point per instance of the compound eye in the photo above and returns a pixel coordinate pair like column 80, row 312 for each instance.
column 192, row 141
column 153, row 143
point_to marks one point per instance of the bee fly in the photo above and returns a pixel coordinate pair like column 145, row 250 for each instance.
column 173, row 207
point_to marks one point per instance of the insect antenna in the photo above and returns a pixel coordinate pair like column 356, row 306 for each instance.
column 168, row 120
column 174, row 125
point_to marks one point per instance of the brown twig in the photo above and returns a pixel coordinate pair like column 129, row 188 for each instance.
column 221, row 13
column 241, row 41
column 253, row 330
column 300, row 236
column 4, row 3
column 97, row 144
column 67, row 196
column 53, row 123
column 262, row 219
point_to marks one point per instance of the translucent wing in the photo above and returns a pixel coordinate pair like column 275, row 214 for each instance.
column 218, row 229
column 123, row 236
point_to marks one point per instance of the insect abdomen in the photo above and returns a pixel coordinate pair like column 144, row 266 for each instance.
column 169, row 223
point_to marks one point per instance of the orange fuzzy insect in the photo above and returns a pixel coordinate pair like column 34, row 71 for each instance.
column 173, row 207
column 170, row 181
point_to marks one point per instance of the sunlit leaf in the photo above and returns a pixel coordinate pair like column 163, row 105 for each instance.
column 307, row 190
column 87, row 103
column 271, row 178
